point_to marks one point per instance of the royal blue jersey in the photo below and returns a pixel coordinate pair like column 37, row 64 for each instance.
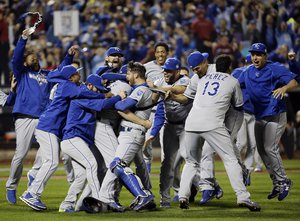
column 81, row 121
column 54, row 118
column 260, row 84
column 248, row 106
column 33, row 89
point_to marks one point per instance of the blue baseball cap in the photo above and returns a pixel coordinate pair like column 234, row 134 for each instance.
column 67, row 71
column 258, row 47
column 123, row 69
column 114, row 51
column 248, row 59
column 96, row 81
column 195, row 58
column 172, row 64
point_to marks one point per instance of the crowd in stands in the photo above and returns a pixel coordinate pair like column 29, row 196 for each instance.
column 215, row 26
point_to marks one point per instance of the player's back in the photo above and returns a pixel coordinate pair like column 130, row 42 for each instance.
column 215, row 93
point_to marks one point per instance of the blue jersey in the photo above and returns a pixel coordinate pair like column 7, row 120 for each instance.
column 33, row 89
column 260, row 83
column 295, row 68
column 248, row 106
column 81, row 121
column 54, row 118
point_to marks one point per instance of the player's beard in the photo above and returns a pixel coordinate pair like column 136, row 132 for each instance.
column 34, row 66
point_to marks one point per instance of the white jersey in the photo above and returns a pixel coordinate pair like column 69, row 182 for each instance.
column 175, row 112
column 112, row 115
column 191, row 89
column 3, row 98
column 143, row 96
column 153, row 71
column 215, row 93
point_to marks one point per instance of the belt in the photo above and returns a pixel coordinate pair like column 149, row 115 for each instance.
column 176, row 122
column 128, row 129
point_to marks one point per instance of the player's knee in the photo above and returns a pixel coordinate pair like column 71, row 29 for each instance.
column 117, row 166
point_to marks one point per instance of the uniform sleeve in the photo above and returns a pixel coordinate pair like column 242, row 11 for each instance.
column 98, row 104
column 137, row 94
column 184, row 81
column 72, row 91
column 125, row 104
column 18, row 58
column 11, row 99
column 191, row 89
column 3, row 98
column 237, row 98
column 66, row 61
column 283, row 74
column 159, row 119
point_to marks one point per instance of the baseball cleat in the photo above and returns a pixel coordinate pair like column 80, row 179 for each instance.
column 275, row 192
column 66, row 210
column 207, row 195
column 165, row 204
column 116, row 207
column 143, row 202
column 258, row 169
column 33, row 202
column 252, row 206
column 11, row 196
column 285, row 188
column 30, row 179
column 176, row 199
column 183, row 203
column 218, row 192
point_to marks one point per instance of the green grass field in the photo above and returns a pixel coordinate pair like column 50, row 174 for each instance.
column 223, row 209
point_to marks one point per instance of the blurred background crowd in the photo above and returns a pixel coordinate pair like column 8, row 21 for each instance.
column 213, row 26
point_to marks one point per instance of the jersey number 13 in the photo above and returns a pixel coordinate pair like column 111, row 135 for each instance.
column 211, row 88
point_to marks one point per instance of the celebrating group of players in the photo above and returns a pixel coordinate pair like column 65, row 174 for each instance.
column 108, row 122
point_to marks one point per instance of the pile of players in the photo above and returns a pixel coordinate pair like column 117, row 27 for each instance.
column 108, row 122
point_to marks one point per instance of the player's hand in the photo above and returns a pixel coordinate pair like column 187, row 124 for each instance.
column 147, row 124
column 13, row 84
column 292, row 56
column 109, row 95
column 27, row 32
column 279, row 92
column 123, row 94
column 148, row 141
column 73, row 50
column 150, row 83
column 168, row 95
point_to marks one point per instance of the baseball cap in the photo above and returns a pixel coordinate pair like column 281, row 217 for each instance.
column 96, row 81
column 195, row 58
column 258, row 47
column 172, row 64
column 123, row 69
column 68, row 70
column 114, row 51
column 248, row 58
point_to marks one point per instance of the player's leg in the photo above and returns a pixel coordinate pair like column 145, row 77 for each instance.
column 24, row 133
column 49, row 146
column 258, row 161
column 221, row 142
column 273, row 132
column 170, row 149
column 68, row 205
column 79, row 150
column 179, row 160
column 67, row 161
column 31, row 174
column 147, row 152
column 141, row 170
column 193, row 144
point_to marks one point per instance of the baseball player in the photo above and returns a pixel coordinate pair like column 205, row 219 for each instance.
column 154, row 72
column 49, row 129
column 175, row 114
column 78, row 134
column 215, row 93
column 274, row 80
column 131, row 140
column 32, row 96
